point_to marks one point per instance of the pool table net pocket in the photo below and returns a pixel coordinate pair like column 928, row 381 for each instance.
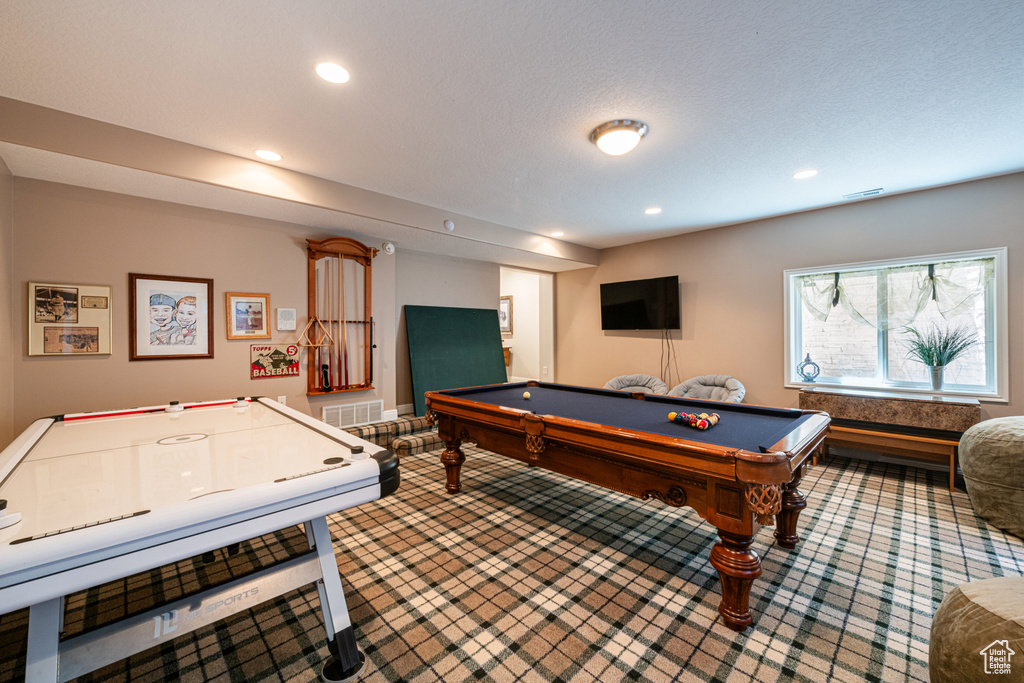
column 766, row 502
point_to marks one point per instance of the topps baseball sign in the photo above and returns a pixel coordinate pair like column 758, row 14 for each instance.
column 274, row 360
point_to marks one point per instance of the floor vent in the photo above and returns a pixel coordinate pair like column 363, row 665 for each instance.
column 352, row 414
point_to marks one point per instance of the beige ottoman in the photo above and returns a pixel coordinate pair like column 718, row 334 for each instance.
column 978, row 633
column 992, row 459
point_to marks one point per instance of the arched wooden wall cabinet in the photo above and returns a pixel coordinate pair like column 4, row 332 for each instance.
column 340, row 293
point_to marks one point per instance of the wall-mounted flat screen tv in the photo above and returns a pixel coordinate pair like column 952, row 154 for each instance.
column 641, row 304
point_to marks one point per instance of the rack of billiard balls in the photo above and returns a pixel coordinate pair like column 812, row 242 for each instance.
column 702, row 421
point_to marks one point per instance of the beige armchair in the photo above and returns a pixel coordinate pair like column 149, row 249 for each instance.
column 643, row 383
column 713, row 387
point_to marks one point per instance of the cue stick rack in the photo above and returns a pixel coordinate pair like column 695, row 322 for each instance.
column 340, row 316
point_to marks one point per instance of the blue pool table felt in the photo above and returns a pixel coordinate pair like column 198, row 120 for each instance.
column 752, row 428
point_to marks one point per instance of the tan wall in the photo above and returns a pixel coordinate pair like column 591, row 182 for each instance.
column 731, row 287
column 431, row 280
column 6, row 304
column 75, row 235
column 731, row 279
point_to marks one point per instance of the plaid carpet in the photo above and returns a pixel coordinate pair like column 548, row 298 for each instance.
column 529, row 576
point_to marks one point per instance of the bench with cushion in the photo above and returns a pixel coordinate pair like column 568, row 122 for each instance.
column 922, row 427
column 404, row 436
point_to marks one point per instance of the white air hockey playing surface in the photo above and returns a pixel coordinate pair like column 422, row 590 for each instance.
column 95, row 497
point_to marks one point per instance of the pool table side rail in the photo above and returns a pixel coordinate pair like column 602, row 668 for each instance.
column 673, row 454
column 636, row 395
column 520, row 423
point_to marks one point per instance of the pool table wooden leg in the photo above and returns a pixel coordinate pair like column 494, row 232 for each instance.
column 452, row 458
column 737, row 567
column 785, row 522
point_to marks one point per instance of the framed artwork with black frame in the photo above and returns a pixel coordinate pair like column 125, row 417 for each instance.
column 169, row 317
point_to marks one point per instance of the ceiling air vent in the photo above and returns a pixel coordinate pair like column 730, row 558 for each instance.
column 865, row 193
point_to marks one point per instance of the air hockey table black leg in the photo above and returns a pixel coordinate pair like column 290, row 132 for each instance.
column 345, row 662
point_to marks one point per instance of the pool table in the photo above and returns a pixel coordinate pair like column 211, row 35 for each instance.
column 740, row 474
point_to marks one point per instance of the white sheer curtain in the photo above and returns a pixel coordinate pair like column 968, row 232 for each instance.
column 903, row 292
column 821, row 292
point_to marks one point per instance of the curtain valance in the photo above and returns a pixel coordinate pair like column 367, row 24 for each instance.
column 903, row 291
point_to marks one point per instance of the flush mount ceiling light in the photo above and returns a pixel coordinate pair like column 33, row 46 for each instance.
column 809, row 173
column 332, row 72
column 558, row 234
column 653, row 211
column 619, row 136
column 268, row 155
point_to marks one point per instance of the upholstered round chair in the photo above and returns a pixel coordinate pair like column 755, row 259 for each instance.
column 642, row 383
column 992, row 460
column 977, row 631
column 713, row 387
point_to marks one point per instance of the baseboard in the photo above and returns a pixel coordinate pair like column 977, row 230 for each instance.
column 389, row 415
column 406, row 409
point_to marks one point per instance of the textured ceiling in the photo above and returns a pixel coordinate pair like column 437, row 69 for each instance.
column 483, row 108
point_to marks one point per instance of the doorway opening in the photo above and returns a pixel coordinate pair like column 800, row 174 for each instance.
column 531, row 342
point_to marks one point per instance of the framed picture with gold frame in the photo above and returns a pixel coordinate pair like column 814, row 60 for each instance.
column 68, row 320
column 247, row 315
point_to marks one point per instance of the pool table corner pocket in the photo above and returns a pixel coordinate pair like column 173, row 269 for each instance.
column 765, row 501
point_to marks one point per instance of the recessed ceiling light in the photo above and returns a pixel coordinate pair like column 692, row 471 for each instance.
column 268, row 155
column 809, row 173
column 619, row 136
column 557, row 234
column 653, row 211
column 332, row 72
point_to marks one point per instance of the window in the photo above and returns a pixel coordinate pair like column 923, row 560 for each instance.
column 855, row 321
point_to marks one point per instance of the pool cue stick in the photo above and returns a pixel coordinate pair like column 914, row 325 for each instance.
column 326, row 369
column 330, row 323
column 344, row 343
column 342, row 380
column 316, row 332
column 330, row 316
column 370, row 375
column 326, row 310
column 320, row 349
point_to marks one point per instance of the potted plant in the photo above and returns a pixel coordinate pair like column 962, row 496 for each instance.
column 937, row 348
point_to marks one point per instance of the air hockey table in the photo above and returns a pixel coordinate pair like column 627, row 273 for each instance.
column 95, row 497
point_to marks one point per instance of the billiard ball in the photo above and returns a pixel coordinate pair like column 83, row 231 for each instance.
column 526, row 394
